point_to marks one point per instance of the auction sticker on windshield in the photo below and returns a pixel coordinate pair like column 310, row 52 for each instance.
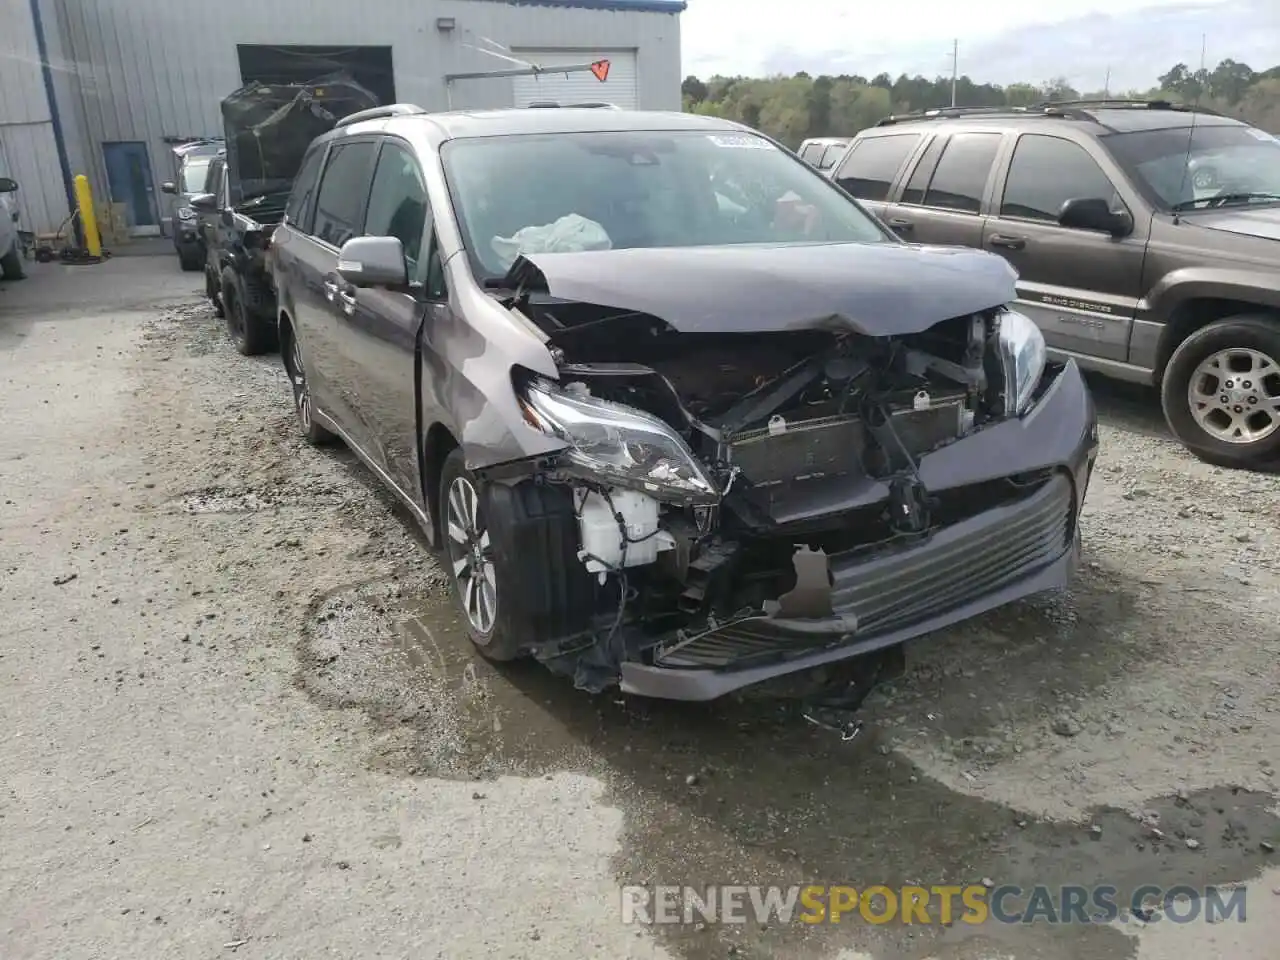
column 739, row 141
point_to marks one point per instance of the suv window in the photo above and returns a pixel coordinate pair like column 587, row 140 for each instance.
column 810, row 152
column 961, row 177
column 398, row 202
column 1045, row 173
column 872, row 164
column 304, row 188
column 343, row 188
column 831, row 156
column 924, row 170
column 213, row 175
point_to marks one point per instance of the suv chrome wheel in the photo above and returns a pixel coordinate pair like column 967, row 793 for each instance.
column 1235, row 395
column 471, row 556
column 301, row 392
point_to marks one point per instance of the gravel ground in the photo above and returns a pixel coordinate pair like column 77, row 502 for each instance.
column 238, row 718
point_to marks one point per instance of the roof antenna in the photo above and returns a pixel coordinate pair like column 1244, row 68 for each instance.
column 1191, row 128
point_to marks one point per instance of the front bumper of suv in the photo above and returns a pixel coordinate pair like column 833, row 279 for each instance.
column 891, row 595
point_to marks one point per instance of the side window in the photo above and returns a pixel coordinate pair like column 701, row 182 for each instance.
column 961, row 177
column 871, row 165
column 1045, row 173
column 304, row 187
column 224, row 187
column 398, row 201
column 831, row 156
column 810, row 152
column 914, row 193
column 213, row 176
column 343, row 189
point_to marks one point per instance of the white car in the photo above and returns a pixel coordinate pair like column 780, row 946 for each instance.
column 10, row 243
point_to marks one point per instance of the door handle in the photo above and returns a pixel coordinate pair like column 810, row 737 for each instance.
column 330, row 291
column 348, row 302
column 1007, row 242
column 902, row 226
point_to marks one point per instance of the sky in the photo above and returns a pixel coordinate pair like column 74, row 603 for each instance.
column 1000, row 41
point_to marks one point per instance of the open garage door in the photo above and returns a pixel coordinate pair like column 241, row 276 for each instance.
column 621, row 88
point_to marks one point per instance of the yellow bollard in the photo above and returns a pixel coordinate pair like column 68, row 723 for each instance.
column 88, row 219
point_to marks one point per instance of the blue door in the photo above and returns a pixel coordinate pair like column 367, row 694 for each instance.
column 129, row 179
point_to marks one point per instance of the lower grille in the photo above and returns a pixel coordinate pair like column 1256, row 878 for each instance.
column 883, row 591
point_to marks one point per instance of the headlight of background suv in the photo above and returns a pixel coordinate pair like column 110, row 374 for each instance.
column 1022, row 357
column 186, row 213
column 617, row 445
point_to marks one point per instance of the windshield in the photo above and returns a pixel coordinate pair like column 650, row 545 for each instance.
column 618, row 189
column 1237, row 163
column 193, row 172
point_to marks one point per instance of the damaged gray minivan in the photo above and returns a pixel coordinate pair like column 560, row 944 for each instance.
column 681, row 416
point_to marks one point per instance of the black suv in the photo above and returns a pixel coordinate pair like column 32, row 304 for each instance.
column 1130, row 259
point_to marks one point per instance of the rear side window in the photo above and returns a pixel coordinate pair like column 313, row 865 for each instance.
column 213, row 176
column 872, row 165
column 398, row 202
column 343, row 189
column 924, row 170
column 304, row 188
column 961, row 177
column 1047, row 172
column 810, row 152
column 831, row 156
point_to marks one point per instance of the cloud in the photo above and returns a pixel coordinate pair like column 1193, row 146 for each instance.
column 1010, row 41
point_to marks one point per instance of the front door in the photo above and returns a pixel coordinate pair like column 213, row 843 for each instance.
column 1080, row 286
column 130, row 183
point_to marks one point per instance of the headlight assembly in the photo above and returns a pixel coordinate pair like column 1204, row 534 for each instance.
column 1022, row 357
column 618, row 445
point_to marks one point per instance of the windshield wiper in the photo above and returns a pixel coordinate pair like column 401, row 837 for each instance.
column 1222, row 199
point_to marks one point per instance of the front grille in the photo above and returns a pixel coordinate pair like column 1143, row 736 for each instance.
column 892, row 590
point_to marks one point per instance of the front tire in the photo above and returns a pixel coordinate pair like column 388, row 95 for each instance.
column 190, row 260
column 213, row 293
column 1221, row 391
column 475, row 562
column 247, row 332
column 303, row 404
column 11, row 265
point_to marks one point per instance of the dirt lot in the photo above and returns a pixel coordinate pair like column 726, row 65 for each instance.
column 238, row 718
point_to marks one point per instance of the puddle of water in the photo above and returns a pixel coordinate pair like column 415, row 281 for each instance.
column 739, row 793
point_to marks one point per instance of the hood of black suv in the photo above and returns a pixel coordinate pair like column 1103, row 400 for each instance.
column 876, row 289
column 269, row 127
column 1262, row 222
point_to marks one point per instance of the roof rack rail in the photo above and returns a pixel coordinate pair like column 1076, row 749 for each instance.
column 1058, row 109
column 592, row 104
column 1112, row 103
column 379, row 113
column 943, row 113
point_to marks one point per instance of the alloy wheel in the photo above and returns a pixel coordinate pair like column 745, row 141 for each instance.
column 471, row 556
column 301, row 390
column 1235, row 395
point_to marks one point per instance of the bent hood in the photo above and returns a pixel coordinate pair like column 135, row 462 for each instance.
column 874, row 289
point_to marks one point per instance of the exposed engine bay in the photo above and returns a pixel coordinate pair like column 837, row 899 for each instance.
column 795, row 438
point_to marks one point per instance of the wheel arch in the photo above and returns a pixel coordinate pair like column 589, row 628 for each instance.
column 437, row 443
column 1196, row 313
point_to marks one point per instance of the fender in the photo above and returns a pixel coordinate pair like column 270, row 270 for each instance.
column 1178, row 287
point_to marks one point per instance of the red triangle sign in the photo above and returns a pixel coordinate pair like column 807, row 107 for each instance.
column 601, row 70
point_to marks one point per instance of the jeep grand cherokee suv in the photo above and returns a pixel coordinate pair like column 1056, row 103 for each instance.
column 666, row 441
column 1130, row 259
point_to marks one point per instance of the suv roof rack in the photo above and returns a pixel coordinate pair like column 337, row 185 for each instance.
column 379, row 113
column 1057, row 109
column 594, row 104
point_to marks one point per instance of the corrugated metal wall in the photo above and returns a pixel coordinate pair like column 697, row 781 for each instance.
column 28, row 152
column 155, row 68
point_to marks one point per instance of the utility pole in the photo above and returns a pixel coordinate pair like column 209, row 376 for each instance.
column 955, row 68
column 1106, row 85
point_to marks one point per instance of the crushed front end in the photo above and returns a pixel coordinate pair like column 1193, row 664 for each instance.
column 742, row 509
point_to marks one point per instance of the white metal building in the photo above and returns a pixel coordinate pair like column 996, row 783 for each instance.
column 104, row 87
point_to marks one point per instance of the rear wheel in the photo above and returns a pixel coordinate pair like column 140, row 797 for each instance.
column 213, row 293
column 1221, row 391
column 189, row 260
column 11, row 265
column 475, row 562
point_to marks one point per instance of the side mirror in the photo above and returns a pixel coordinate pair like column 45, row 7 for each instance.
column 373, row 262
column 204, row 203
column 168, row 187
column 1094, row 213
column 8, row 186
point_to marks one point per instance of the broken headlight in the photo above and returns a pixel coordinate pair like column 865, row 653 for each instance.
column 618, row 445
column 1022, row 357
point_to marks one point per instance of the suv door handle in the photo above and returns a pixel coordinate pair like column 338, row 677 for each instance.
column 348, row 302
column 1009, row 243
column 902, row 226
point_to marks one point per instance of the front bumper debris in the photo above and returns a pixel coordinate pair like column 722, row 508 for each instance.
column 882, row 598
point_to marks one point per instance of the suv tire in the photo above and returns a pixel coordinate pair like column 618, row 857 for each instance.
column 213, row 293
column 11, row 265
column 249, row 334
column 1208, row 358
column 478, row 565
column 190, row 260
